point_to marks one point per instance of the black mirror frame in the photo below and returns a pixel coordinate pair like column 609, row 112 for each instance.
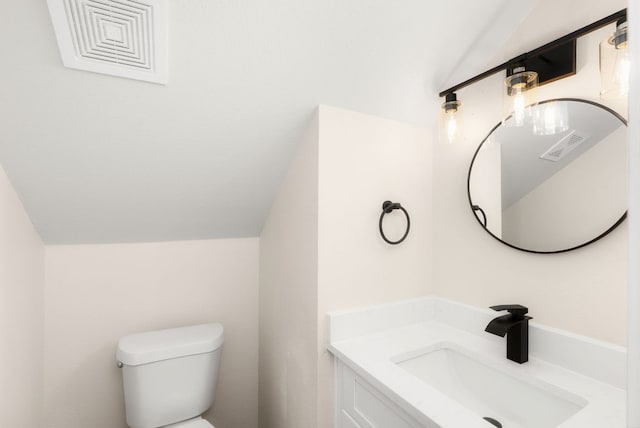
column 471, row 205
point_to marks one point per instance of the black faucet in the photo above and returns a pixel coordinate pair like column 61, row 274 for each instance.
column 515, row 326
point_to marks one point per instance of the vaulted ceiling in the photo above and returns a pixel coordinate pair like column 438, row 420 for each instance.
column 96, row 158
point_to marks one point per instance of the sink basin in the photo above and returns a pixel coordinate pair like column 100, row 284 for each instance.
column 500, row 394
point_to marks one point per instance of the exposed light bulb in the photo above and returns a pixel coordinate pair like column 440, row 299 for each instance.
column 449, row 124
column 519, row 96
column 622, row 72
column 518, row 108
column 452, row 126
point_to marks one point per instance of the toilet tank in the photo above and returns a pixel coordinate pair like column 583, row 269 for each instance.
column 169, row 375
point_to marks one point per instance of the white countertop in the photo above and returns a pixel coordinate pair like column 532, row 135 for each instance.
column 372, row 354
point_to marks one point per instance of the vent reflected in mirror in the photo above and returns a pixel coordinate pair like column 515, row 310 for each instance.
column 557, row 192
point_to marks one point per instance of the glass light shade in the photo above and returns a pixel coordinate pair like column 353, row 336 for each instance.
column 614, row 64
column 550, row 118
column 449, row 117
column 520, row 97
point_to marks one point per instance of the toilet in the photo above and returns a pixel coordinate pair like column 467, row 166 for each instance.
column 170, row 375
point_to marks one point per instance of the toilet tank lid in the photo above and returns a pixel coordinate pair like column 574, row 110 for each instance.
column 152, row 346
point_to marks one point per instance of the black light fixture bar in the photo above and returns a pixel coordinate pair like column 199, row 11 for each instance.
column 552, row 64
column 556, row 44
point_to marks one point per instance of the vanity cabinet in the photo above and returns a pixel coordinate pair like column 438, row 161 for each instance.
column 360, row 405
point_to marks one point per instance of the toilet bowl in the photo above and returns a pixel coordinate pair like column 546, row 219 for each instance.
column 169, row 376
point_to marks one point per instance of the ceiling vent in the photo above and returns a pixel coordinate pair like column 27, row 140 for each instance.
column 564, row 146
column 124, row 38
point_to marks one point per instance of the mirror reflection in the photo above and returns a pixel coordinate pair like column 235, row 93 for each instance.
column 556, row 185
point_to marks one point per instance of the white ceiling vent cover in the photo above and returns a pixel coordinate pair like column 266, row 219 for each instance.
column 564, row 146
column 124, row 38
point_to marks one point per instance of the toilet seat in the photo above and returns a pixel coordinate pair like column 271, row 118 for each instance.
column 192, row 423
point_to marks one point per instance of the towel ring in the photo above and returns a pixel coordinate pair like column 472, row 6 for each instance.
column 387, row 207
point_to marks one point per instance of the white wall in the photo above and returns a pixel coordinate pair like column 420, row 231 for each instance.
column 94, row 294
column 320, row 250
column 363, row 161
column 288, row 295
column 583, row 291
column 633, row 344
column 21, row 316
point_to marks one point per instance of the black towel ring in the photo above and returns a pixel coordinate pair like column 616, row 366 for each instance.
column 387, row 207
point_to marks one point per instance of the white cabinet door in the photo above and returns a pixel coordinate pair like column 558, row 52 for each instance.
column 362, row 406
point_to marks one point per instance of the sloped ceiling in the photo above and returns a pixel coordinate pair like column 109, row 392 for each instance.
column 99, row 159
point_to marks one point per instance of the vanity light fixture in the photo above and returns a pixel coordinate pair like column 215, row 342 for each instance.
column 520, row 95
column 552, row 61
column 614, row 62
column 450, row 109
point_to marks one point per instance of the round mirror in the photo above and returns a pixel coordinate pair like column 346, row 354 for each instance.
column 554, row 185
